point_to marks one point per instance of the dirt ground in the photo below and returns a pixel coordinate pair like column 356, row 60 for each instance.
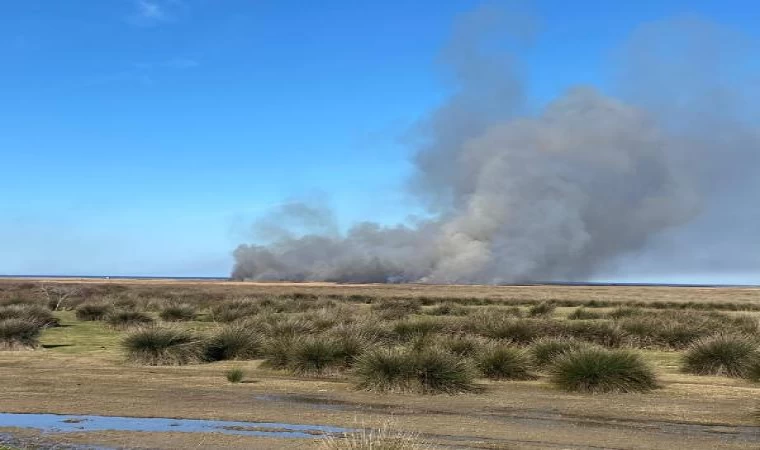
column 693, row 412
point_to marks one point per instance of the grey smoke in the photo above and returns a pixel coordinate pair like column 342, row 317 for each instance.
column 567, row 193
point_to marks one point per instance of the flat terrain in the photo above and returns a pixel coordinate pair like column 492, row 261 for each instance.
column 80, row 368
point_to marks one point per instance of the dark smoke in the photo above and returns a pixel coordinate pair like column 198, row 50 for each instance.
column 564, row 194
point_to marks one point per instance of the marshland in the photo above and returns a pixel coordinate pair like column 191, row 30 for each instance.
column 413, row 366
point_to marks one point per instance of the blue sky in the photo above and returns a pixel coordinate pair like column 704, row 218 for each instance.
column 141, row 137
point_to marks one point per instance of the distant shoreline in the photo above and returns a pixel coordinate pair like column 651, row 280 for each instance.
column 537, row 283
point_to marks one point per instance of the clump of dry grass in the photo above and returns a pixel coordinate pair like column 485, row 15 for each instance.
column 233, row 310
column 124, row 319
column 235, row 341
column 93, row 311
column 159, row 346
column 178, row 313
column 427, row 371
column 502, row 362
column 547, row 349
column 18, row 334
column 598, row 370
column 723, row 354
column 383, row 438
column 543, row 309
column 40, row 315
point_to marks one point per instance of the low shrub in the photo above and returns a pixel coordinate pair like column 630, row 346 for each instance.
column 277, row 351
column 448, row 309
column 430, row 371
column 409, row 329
column 625, row 311
column 543, row 309
column 40, row 315
column 18, row 334
column 282, row 325
column 233, row 310
column 584, row 314
column 314, row 355
column 93, row 311
column 604, row 333
column 598, row 370
column 461, row 345
column 436, row 371
column 546, row 350
column 383, row 438
column 384, row 370
column 396, row 309
column 351, row 341
column 518, row 331
column 234, row 341
column 126, row 319
column 235, row 375
column 502, row 362
column 753, row 372
column 723, row 354
column 158, row 346
column 178, row 313
column 662, row 332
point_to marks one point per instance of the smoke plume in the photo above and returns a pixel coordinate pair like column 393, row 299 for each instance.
column 559, row 194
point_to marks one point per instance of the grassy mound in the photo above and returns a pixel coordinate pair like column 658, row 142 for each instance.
column 597, row 370
column 583, row 313
column 177, row 313
column 125, row 319
column 546, row 350
column 314, row 355
column 233, row 310
column 160, row 346
column 384, row 370
column 502, row 362
column 729, row 355
column 233, row 342
column 235, row 375
column 429, row 371
column 602, row 333
column 18, row 334
column 543, row 309
column 40, row 315
column 93, row 311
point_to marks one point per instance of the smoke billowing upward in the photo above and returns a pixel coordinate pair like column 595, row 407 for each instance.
column 555, row 195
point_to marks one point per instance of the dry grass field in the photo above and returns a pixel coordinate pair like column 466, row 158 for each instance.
column 489, row 367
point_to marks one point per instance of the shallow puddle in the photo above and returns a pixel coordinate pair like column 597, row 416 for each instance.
column 56, row 423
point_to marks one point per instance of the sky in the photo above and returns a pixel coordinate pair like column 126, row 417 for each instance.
column 142, row 137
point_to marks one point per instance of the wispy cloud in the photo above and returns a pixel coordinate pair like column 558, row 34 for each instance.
column 150, row 10
column 154, row 12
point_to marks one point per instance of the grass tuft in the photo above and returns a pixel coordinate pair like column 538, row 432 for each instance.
column 234, row 341
column 502, row 362
column 314, row 355
column 429, row 371
column 40, row 315
column 126, row 319
column 723, row 354
column 383, row 438
column 384, row 370
column 18, row 334
column 159, row 346
column 178, row 313
column 598, row 370
column 235, row 375
column 93, row 311
column 543, row 309
column 583, row 313
column 546, row 350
